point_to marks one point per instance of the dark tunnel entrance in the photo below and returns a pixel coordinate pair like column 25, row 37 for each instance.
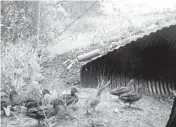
column 150, row 60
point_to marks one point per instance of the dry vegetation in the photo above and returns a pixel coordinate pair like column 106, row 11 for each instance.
column 24, row 71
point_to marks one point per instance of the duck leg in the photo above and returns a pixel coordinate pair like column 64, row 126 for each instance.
column 38, row 122
column 87, row 111
column 94, row 110
column 129, row 105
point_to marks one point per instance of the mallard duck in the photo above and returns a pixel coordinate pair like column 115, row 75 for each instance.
column 92, row 102
column 132, row 96
column 14, row 99
column 71, row 98
column 45, row 94
column 121, row 90
column 172, row 118
column 40, row 114
column 31, row 103
column 5, row 105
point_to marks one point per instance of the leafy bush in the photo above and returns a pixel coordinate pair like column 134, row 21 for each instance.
column 16, row 20
column 21, row 68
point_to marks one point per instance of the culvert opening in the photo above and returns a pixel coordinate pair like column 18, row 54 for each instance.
column 150, row 60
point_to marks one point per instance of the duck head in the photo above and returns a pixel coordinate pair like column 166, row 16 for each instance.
column 130, row 82
column 141, row 88
column 45, row 91
column 12, row 94
column 57, row 102
column 74, row 90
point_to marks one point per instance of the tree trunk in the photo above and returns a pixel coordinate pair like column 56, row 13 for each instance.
column 36, row 20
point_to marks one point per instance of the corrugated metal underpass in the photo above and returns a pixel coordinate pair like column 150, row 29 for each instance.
column 150, row 60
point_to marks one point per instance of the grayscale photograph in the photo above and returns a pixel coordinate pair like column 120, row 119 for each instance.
column 87, row 63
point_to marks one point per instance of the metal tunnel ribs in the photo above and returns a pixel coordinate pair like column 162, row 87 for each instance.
column 150, row 60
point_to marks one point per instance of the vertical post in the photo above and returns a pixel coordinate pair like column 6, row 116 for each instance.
column 36, row 21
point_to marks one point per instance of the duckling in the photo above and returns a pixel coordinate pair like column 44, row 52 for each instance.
column 71, row 98
column 40, row 114
column 132, row 96
column 92, row 102
column 121, row 90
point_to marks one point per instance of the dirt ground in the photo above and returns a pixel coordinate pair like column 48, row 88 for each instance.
column 111, row 112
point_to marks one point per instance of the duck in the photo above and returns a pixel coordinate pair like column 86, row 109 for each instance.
column 14, row 99
column 71, row 98
column 92, row 102
column 132, row 96
column 31, row 103
column 5, row 105
column 121, row 90
column 172, row 118
column 40, row 113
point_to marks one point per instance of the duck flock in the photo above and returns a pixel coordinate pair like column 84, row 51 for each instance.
column 38, row 110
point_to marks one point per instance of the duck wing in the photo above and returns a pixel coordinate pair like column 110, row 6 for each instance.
column 70, row 99
column 52, row 112
column 37, row 113
column 33, row 113
column 94, row 102
column 120, row 90
column 31, row 103
column 45, row 113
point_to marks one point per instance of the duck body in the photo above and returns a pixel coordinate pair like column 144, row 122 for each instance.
column 71, row 98
column 30, row 103
column 15, row 100
column 121, row 90
column 5, row 105
column 39, row 113
column 92, row 102
column 132, row 96
column 172, row 119
column 5, row 101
